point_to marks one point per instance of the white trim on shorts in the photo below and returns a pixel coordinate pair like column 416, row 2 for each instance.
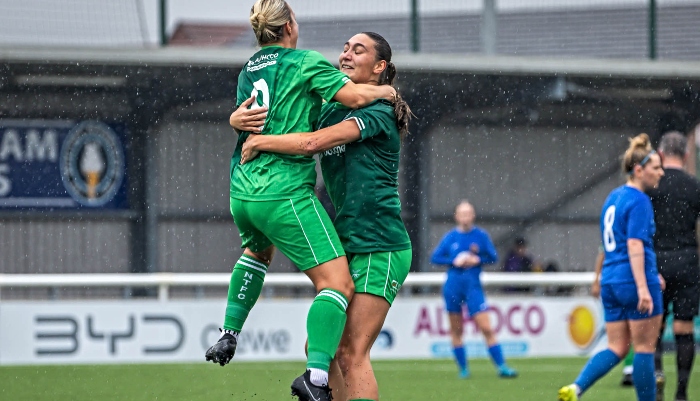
column 369, row 263
column 388, row 270
column 320, row 220
column 304, row 232
column 330, row 241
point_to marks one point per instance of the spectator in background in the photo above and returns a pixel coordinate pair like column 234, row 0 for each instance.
column 676, row 204
column 518, row 261
column 553, row 267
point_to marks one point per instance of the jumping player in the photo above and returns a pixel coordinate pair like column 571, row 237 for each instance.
column 272, row 199
column 360, row 152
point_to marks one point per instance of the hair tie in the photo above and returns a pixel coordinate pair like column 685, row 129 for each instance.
column 645, row 160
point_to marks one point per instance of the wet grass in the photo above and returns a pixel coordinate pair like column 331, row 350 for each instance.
column 410, row 380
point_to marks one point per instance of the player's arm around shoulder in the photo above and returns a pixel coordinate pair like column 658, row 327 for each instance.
column 306, row 143
column 330, row 83
column 359, row 95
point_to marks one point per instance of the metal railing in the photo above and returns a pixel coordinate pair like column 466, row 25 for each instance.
column 164, row 281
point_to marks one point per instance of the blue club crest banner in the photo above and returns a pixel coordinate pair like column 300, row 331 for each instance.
column 62, row 164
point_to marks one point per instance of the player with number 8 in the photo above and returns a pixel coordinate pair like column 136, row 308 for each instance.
column 630, row 283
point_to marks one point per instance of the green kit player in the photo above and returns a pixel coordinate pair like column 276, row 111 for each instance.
column 359, row 152
column 272, row 199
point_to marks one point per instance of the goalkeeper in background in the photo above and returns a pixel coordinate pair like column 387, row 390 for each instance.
column 464, row 250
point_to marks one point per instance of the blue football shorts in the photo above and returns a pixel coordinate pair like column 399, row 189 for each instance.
column 620, row 302
column 461, row 289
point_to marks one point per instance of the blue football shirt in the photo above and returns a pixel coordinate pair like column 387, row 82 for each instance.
column 476, row 240
column 627, row 213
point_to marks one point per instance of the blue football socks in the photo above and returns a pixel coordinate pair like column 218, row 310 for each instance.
column 460, row 357
column 643, row 377
column 597, row 367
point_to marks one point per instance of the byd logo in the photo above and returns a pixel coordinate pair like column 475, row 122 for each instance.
column 516, row 320
column 64, row 334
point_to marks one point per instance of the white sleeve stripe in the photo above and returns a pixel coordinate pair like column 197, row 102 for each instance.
column 359, row 122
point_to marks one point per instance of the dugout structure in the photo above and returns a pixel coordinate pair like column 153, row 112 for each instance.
column 533, row 143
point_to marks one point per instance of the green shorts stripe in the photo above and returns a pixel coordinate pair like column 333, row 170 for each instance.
column 325, row 229
column 369, row 263
column 291, row 202
column 388, row 273
column 380, row 273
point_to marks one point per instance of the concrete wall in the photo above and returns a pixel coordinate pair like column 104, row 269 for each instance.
column 64, row 246
column 511, row 173
column 196, row 232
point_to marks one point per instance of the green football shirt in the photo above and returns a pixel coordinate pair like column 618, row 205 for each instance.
column 362, row 179
column 292, row 84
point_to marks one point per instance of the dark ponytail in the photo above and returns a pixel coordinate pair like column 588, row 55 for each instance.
column 401, row 109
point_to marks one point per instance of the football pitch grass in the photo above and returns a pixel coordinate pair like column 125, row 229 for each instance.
column 406, row 380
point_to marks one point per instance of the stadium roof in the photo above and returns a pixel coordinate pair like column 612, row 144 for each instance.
column 187, row 57
column 437, row 86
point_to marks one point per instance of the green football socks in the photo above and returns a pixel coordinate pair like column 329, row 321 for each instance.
column 243, row 291
column 629, row 358
column 324, row 326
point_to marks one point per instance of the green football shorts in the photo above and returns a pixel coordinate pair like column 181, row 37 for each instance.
column 380, row 273
column 299, row 228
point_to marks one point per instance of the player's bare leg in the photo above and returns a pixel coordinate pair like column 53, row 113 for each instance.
column 336, row 380
column 366, row 315
column 456, row 328
column 484, row 324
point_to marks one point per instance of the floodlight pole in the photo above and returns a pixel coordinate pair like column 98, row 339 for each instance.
column 163, row 22
column 489, row 27
column 415, row 28
column 652, row 29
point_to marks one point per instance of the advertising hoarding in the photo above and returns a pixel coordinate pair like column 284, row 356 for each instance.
column 62, row 164
column 151, row 331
